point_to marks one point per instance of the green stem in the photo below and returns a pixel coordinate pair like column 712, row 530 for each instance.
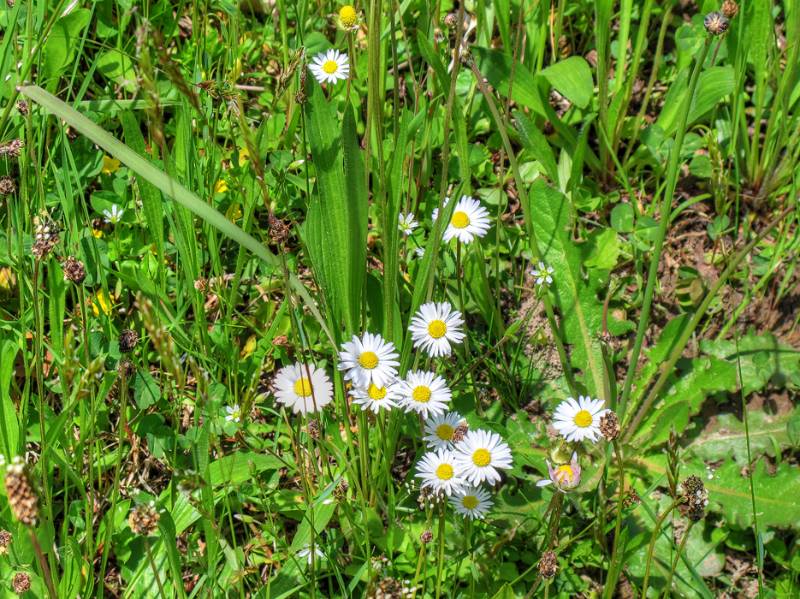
column 674, row 565
column 154, row 568
column 609, row 588
column 440, row 545
column 48, row 578
column 651, row 546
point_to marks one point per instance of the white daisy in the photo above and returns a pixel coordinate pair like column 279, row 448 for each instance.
column 438, row 470
column 472, row 502
column 303, row 387
column 330, row 66
column 376, row 398
column 480, row 454
column 579, row 420
column 469, row 220
column 114, row 215
column 435, row 326
column 419, row 252
column 435, row 213
column 407, row 224
column 542, row 273
column 439, row 430
column 233, row 413
column 305, row 552
column 369, row 360
column 565, row 476
column 424, row 392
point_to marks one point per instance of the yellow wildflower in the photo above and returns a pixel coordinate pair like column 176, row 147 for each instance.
column 221, row 186
column 110, row 165
column 102, row 303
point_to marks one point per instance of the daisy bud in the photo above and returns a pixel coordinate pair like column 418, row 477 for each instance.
column 128, row 340
column 729, row 9
column 548, row 564
column 22, row 498
column 21, row 583
column 143, row 520
column 609, row 426
column 348, row 16
column 5, row 541
column 716, row 23
column 426, row 537
column 73, row 270
column 695, row 498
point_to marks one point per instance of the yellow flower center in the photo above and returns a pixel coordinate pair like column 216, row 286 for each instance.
column 460, row 220
column 470, row 502
column 437, row 329
column 444, row 472
column 481, row 457
column 330, row 66
column 376, row 393
column 564, row 471
column 445, row 432
column 583, row 418
column 302, row 387
column 348, row 15
column 421, row 394
column 368, row 360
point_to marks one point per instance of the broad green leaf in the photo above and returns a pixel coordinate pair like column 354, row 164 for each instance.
column 572, row 77
column 536, row 143
column 712, row 87
column 236, row 468
column 603, row 250
column 117, row 66
column 60, row 47
column 9, row 424
column 497, row 67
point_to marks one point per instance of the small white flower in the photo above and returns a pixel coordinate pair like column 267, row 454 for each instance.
column 543, row 274
column 469, row 220
column 369, row 360
column 233, row 413
column 566, row 476
column 579, row 420
column 376, row 398
column 472, row 502
column 303, row 387
column 435, row 213
column 438, row 470
column 435, row 326
column 419, row 252
column 425, row 393
column 305, row 552
column 114, row 215
column 407, row 224
column 330, row 66
column 439, row 430
column 480, row 454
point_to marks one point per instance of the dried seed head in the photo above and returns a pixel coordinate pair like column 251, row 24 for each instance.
column 631, row 499
column 128, row 340
column 312, row 428
column 126, row 368
column 429, row 498
column 143, row 520
column 7, row 186
column 5, row 541
column 609, row 426
column 451, row 20
column 729, row 9
column 716, row 23
column 460, row 432
column 695, row 498
column 73, row 270
column 278, row 230
column 22, row 497
column 11, row 148
column 548, row 564
column 22, row 106
column 45, row 235
column 426, row 536
column 21, row 583
column 340, row 490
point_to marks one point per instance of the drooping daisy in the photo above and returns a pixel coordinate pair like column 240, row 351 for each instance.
column 406, row 223
column 566, row 476
column 114, row 215
column 330, row 66
column 469, row 220
column 579, row 420
column 435, row 213
column 303, row 387
column 376, row 398
column 305, row 553
column 233, row 413
column 369, row 360
column 480, row 455
column 438, row 470
column 347, row 18
column 542, row 273
column 425, row 393
column 440, row 430
column 435, row 326
column 472, row 502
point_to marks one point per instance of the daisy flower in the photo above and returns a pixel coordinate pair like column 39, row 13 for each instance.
column 566, row 476
column 542, row 273
column 374, row 398
column 407, row 224
column 435, row 213
column 438, row 470
column 369, row 360
column 439, row 430
column 419, row 252
column 435, row 326
column 233, row 413
column 425, row 393
column 480, row 455
column 114, row 215
column 472, row 502
column 305, row 552
column 303, row 387
column 469, row 220
column 579, row 420
column 330, row 66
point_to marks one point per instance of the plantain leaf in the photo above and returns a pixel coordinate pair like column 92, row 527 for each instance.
column 572, row 77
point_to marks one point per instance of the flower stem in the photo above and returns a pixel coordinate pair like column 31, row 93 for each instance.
column 154, row 568
column 677, row 557
column 440, row 556
column 48, row 578
column 653, row 537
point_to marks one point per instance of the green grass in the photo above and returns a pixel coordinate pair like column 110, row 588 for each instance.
column 259, row 230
